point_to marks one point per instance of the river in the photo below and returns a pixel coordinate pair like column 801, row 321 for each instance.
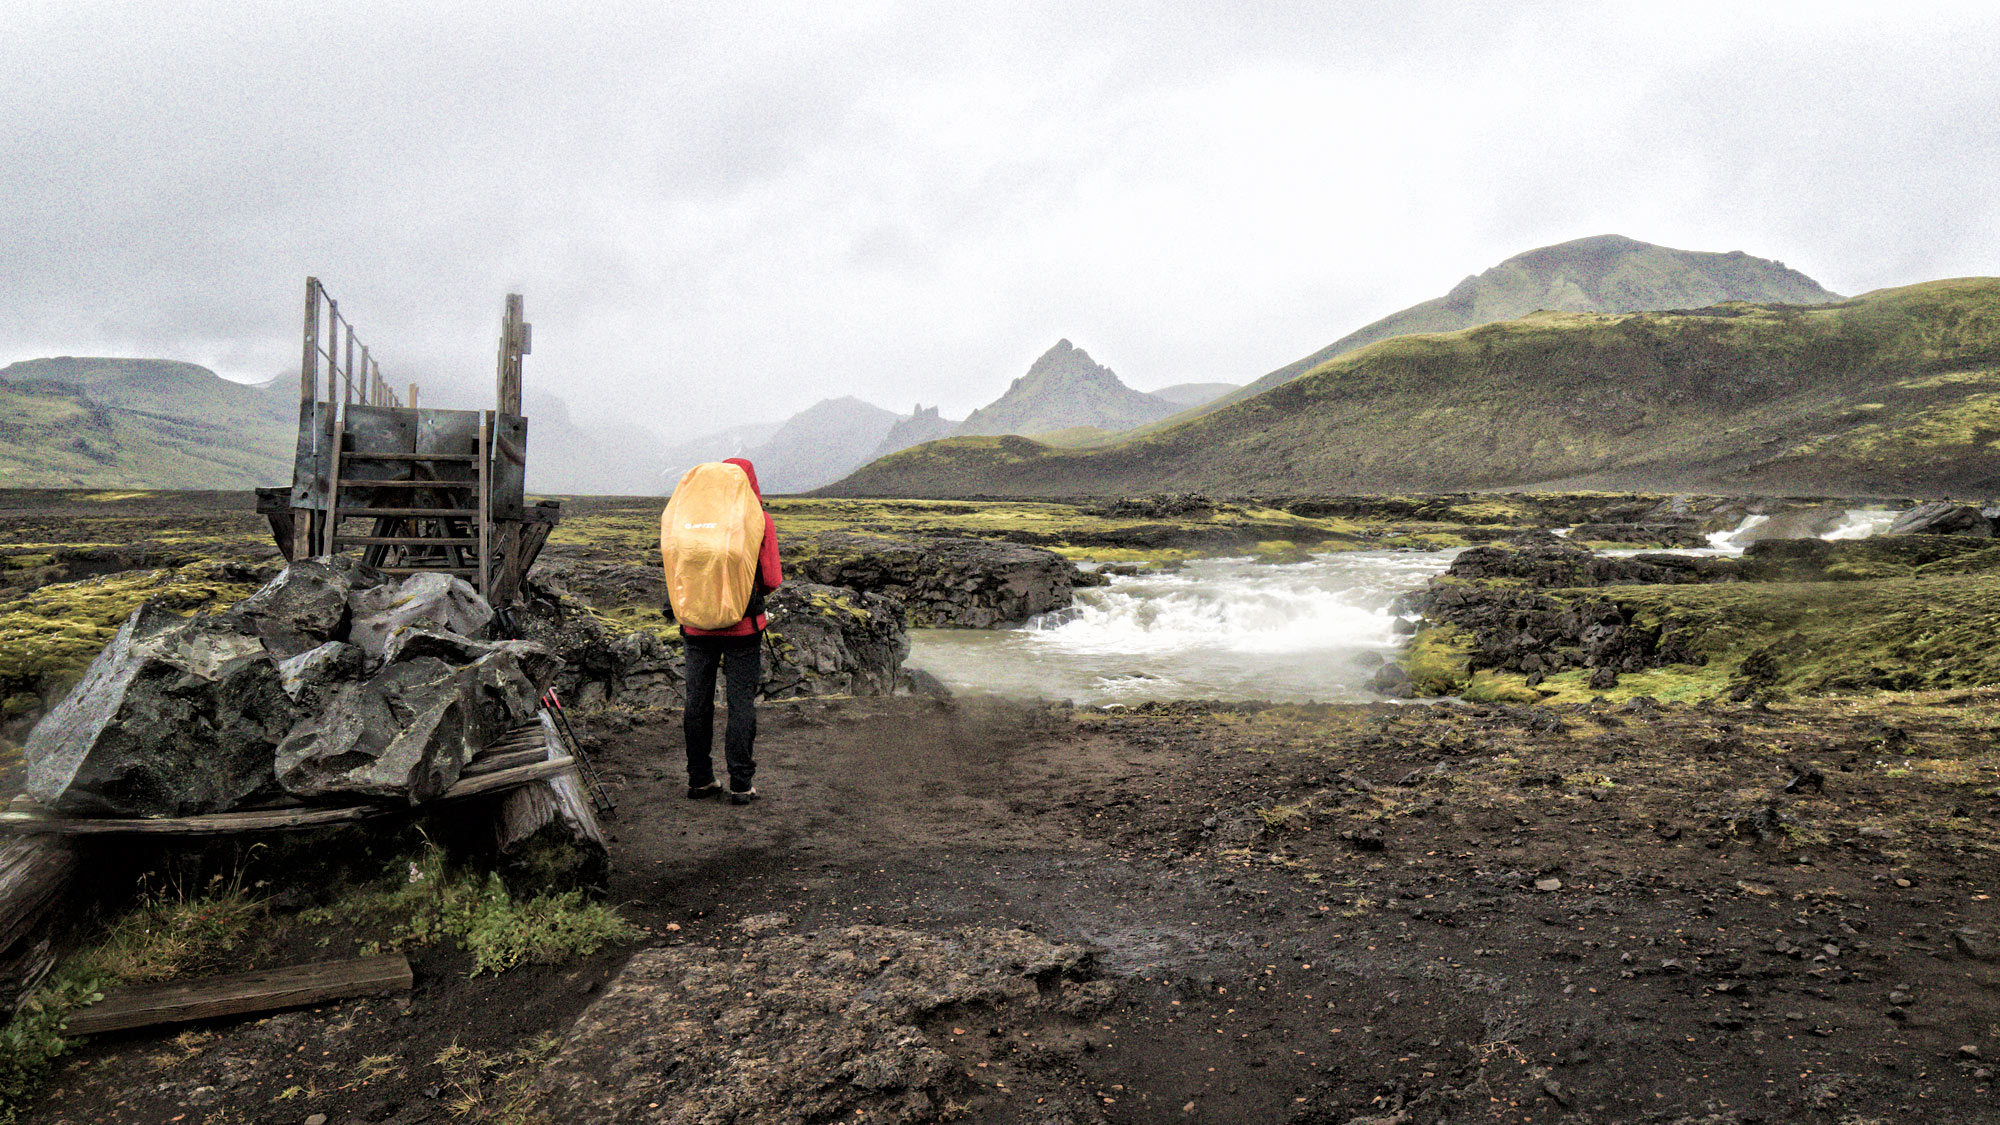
column 1223, row 629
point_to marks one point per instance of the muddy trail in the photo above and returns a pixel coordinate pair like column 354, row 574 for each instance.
column 1190, row 913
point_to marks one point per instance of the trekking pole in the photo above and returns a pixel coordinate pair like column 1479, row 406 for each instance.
column 600, row 797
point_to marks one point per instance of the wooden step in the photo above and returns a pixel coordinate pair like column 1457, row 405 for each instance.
column 347, row 483
column 406, row 541
column 242, row 993
column 467, row 458
column 465, row 513
column 461, row 571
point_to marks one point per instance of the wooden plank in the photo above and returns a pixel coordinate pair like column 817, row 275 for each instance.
column 408, row 511
column 408, row 540
column 485, row 503
column 309, row 364
column 33, row 873
column 22, row 819
column 508, row 759
column 464, row 458
column 239, row 994
column 358, row 482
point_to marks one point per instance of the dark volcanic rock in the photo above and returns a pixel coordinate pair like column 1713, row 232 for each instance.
column 175, row 717
column 306, row 605
column 945, row 581
column 1560, row 566
column 311, row 675
column 1942, row 517
column 1524, row 630
column 825, row 640
column 431, row 600
column 823, row 1026
column 404, row 734
column 535, row 660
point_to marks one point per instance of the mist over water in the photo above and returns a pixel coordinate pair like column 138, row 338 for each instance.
column 1215, row 629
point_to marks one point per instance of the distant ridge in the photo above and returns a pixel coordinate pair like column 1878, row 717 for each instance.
column 1896, row 392
column 95, row 422
column 924, row 424
column 1604, row 273
column 1063, row 390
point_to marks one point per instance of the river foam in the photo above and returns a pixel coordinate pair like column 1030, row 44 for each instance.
column 1215, row 629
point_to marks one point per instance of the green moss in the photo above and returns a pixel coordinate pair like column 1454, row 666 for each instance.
column 1280, row 551
column 1437, row 660
column 48, row 637
column 1489, row 686
column 1866, row 571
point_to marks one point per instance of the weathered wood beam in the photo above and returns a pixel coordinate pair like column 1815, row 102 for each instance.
column 242, row 993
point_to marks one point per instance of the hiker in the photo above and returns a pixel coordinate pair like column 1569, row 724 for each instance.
column 720, row 551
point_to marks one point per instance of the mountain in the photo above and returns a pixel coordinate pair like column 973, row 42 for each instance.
column 1193, row 394
column 1895, row 392
column 821, row 443
column 141, row 423
column 1065, row 389
column 921, row 426
column 1605, row 273
column 567, row 457
column 736, row 441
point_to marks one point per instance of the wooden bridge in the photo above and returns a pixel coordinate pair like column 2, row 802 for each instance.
column 414, row 489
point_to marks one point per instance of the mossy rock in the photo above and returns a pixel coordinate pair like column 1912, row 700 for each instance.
column 1437, row 660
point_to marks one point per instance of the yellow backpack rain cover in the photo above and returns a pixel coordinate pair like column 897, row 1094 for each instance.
column 710, row 534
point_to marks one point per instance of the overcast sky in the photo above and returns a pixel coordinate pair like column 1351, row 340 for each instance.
column 723, row 212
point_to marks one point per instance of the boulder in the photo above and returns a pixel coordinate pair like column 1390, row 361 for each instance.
column 1942, row 517
column 536, row 661
column 307, row 604
column 944, row 581
column 421, row 601
column 175, row 717
column 311, row 676
column 652, row 672
column 406, row 733
column 825, row 640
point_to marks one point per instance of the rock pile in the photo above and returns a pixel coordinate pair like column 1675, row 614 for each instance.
column 943, row 580
column 332, row 683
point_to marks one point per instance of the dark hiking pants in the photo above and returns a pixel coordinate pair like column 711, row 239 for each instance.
column 742, row 661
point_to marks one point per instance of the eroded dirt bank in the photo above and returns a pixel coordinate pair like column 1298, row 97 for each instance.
column 1393, row 914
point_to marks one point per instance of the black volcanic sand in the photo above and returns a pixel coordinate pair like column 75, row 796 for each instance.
column 1304, row 914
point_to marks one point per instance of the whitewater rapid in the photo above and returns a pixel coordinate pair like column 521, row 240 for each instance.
column 1228, row 629
column 1214, row 629
column 1857, row 523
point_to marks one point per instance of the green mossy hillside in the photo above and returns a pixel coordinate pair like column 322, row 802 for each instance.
column 1890, row 392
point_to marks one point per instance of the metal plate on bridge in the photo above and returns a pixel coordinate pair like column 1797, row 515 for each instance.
column 453, row 432
column 510, row 465
column 312, row 461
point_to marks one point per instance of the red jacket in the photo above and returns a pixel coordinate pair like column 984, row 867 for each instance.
column 769, row 575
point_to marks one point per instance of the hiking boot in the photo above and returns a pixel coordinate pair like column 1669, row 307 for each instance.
column 742, row 796
column 698, row 792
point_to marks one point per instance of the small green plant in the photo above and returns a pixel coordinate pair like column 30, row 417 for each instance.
column 167, row 934
column 427, row 903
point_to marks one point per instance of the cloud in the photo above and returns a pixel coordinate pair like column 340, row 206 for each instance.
column 722, row 213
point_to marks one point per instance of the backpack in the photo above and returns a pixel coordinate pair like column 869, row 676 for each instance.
column 710, row 534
